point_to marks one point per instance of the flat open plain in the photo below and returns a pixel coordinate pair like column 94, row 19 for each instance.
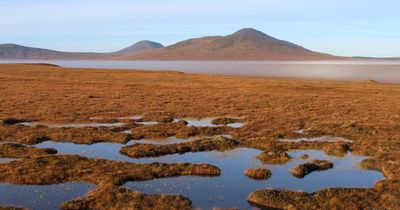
column 366, row 112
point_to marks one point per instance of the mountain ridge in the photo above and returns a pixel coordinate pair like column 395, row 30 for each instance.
column 244, row 44
column 15, row 51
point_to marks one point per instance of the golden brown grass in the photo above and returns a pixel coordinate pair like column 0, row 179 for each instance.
column 274, row 157
column 225, row 120
column 13, row 150
column 111, row 197
column 258, row 173
column 302, row 170
column 178, row 129
column 37, row 169
column 383, row 196
column 34, row 135
column 365, row 112
column 73, row 168
column 218, row 143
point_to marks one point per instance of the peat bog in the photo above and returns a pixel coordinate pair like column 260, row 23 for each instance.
column 71, row 136
column 231, row 188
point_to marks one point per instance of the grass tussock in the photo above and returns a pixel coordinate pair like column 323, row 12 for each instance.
column 383, row 196
column 13, row 150
column 258, row 173
column 219, row 143
column 274, row 157
column 111, row 197
column 73, row 168
column 302, row 170
column 178, row 129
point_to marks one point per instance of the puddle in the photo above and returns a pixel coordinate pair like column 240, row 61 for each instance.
column 169, row 140
column 206, row 122
column 129, row 131
column 118, row 118
column 301, row 131
column 199, row 123
column 72, row 125
column 318, row 139
column 232, row 187
column 6, row 160
column 148, row 123
column 130, row 118
column 106, row 150
column 41, row 196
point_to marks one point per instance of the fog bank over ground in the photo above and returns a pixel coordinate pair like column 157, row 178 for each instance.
column 379, row 70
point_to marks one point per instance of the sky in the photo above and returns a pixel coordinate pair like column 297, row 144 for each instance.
column 340, row 27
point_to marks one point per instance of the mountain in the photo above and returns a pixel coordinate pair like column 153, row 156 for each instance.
column 245, row 44
column 18, row 52
column 13, row 51
column 141, row 46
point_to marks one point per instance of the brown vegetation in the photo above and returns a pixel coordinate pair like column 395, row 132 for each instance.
column 337, row 149
column 178, row 129
column 302, row 170
column 219, row 143
column 111, row 197
column 274, row 157
column 383, row 196
column 158, row 117
column 13, row 150
column 37, row 134
column 304, row 156
column 245, row 44
column 275, row 148
column 258, row 173
column 367, row 113
column 225, row 121
column 73, row 168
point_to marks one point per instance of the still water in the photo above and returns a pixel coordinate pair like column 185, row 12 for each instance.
column 41, row 196
column 232, row 187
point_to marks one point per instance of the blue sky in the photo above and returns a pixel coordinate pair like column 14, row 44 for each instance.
column 341, row 27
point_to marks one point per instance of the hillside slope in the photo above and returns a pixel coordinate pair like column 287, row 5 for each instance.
column 245, row 44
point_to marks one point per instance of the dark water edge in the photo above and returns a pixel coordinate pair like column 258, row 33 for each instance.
column 380, row 71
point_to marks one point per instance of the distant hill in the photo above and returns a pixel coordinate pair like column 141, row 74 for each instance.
column 245, row 44
column 18, row 52
column 139, row 47
column 13, row 51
